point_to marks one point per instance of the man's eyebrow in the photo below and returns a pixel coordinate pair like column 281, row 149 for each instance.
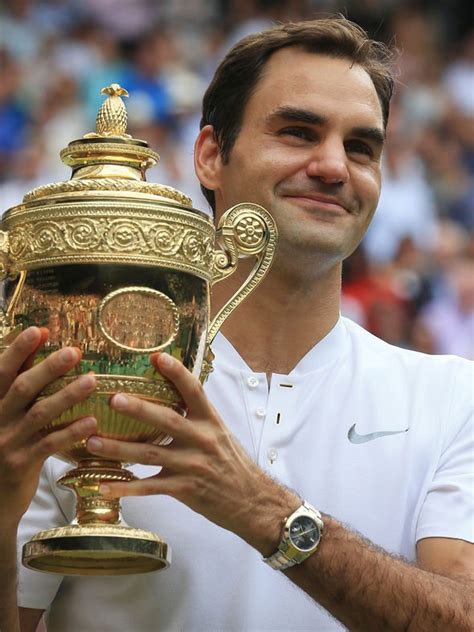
column 296, row 114
column 289, row 113
column 374, row 134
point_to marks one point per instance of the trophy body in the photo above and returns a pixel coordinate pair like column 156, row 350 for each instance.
column 120, row 268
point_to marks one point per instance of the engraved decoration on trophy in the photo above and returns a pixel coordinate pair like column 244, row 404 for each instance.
column 119, row 267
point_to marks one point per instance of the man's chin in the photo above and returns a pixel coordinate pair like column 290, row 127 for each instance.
column 320, row 246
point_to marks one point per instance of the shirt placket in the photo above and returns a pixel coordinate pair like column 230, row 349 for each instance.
column 281, row 413
column 255, row 390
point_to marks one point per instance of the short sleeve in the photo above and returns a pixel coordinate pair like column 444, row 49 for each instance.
column 448, row 510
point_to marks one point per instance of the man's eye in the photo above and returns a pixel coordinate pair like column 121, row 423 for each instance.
column 359, row 147
column 297, row 132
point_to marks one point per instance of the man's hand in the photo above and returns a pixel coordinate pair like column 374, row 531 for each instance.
column 204, row 467
column 23, row 448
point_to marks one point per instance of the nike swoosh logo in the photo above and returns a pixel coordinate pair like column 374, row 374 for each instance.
column 355, row 437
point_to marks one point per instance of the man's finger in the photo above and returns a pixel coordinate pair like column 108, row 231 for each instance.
column 187, row 384
column 30, row 360
column 127, row 452
column 59, row 440
column 49, row 408
column 154, row 415
column 16, row 354
column 142, row 487
column 27, row 386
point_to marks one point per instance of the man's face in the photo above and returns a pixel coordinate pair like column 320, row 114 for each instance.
column 309, row 151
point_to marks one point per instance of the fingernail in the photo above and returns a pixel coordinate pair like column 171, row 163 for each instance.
column 67, row 355
column 31, row 334
column 87, row 382
column 89, row 425
column 165, row 359
column 94, row 443
column 120, row 401
column 90, row 421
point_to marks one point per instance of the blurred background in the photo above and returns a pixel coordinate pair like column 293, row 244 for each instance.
column 411, row 282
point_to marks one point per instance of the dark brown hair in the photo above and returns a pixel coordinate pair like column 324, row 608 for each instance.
column 239, row 73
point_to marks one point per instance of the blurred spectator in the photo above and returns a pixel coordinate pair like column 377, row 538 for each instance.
column 27, row 172
column 13, row 117
column 449, row 319
column 247, row 16
column 459, row 84
column 20, row 34
column 450, row 180
column 407, row 206
column 452, row 244
column 123, row 19
column 60, row 118
column 373, row 294
column 109, row 67
column 458, row 80
column 144, row 78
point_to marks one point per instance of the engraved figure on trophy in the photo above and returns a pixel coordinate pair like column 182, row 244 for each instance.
column 120, row 268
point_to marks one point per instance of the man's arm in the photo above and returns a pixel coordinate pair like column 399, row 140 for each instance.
column 23, row 447
column 8, row 615
column 367, row 589
column 30, row 619
column 359, row 583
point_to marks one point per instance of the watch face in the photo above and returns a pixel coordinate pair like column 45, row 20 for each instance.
column 304, row 533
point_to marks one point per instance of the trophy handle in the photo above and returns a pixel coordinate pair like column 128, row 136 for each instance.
column 7, row 331
column 4, row 255
column 244, row 230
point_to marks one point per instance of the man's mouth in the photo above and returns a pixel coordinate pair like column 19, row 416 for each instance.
column 319, row 201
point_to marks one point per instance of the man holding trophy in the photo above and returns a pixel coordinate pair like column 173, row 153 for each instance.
column 308, row 432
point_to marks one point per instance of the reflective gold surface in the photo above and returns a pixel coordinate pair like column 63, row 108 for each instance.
column 119, row 268
column 96, row 549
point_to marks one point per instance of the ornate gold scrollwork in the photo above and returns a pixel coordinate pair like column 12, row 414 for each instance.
column 110, row 233
column 4, row 252
column 7, row 330
column 244, row 230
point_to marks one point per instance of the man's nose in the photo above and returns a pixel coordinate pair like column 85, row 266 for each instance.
column 328, row 162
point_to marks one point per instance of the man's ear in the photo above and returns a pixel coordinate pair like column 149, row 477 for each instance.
column 207, row 158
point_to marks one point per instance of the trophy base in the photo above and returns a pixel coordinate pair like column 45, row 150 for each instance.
column 96, row 549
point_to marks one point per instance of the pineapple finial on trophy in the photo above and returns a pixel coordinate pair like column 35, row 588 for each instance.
column 112, row 115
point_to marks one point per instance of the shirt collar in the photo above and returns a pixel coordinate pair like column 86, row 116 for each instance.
column 327, row 350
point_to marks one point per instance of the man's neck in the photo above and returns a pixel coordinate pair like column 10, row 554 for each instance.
column 281, row 320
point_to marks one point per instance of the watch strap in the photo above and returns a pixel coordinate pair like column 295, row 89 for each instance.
column 279, row 561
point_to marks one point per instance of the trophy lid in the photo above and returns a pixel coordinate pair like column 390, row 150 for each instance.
column 107, row 212
column 109, row 159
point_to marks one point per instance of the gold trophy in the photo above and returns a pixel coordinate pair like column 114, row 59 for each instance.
column 120, row 268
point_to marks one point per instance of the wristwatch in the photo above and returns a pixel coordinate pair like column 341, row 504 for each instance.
column 302, row 533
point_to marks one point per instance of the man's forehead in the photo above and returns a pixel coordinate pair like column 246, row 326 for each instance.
column 295, row 66
column 307, row 80
column 287, row 55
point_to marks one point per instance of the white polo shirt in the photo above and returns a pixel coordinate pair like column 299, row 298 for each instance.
column 379, row 437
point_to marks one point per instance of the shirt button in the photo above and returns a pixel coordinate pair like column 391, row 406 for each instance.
column 260, row 412
column 252, row 382
column 272, row 454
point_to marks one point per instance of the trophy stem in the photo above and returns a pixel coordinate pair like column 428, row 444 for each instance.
column 97, row 541
column 85, row 481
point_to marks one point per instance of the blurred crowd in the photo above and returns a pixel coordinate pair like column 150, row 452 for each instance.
column 411, row 281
